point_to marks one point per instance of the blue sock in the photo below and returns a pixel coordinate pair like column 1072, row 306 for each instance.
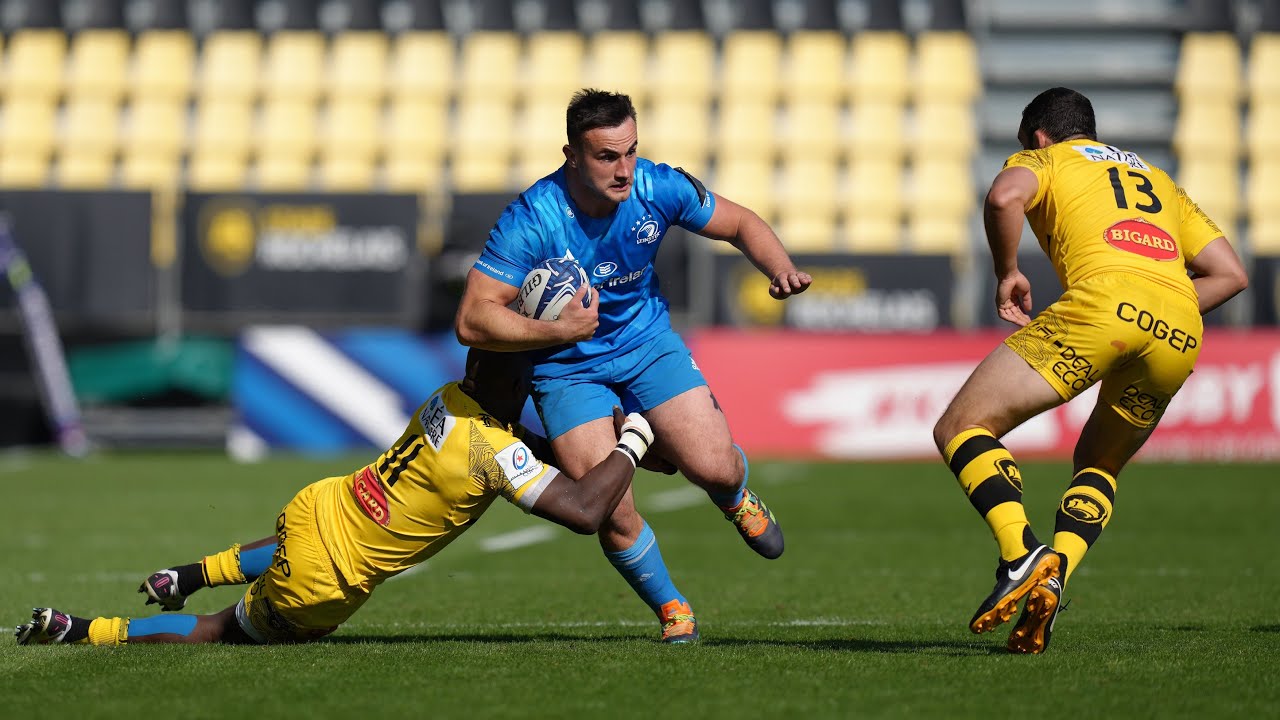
column 728, row 500
column 642, row 567
column 256, row 561
column 175, row 624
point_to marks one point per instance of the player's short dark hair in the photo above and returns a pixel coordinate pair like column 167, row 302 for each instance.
column 1061, row 113
column 590, row 109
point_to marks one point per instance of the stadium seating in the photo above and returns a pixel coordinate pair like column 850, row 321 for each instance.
column 683, row 67
column 422, row 66
column 490, row 67
column 33, row 68
column 1209, row 67
column 26, row 141
column 1264, row 67
column 1263, row 204
column 751, row 63
column 163, row 64
column 553, row 66
column 98, row 64
column 230, row 65
column 357, row 66
column 815, row 66
column 617, row 60
column 747, row 131
column 1214, row 184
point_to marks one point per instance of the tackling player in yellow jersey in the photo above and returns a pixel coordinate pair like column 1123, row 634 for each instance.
column 341, row 537
column 1122, row 237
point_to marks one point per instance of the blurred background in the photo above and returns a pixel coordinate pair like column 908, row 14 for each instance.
column 251, row 220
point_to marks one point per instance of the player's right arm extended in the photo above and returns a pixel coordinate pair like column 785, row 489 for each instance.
column 485, row 321
column 582, row 505
column 1218, row 274
column 1002, row 215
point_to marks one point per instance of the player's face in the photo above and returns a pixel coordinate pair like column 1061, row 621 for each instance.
column 606, row 161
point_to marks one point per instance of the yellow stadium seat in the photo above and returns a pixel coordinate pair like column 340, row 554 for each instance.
column 34, row 66
column 422, row 66
column 280, row 171
column 540, row 146
column 1264, row 67
column 98, row 64
column 618, row 61
column 1209, row 67
column 490, row 66
column 874, row 189
column 28, row 126
column 748, row 131
column 812, row 130
column 211, row 171
column 946, row 68
column 940, row 206
column 877, row 131
column 358, row 66
column 809, row 199
column 1261, row 196
column 752, row 66
column 230, row 65
column 553, row 67
column 945, row 129
column 808, row 232
column 747, row 181
column 1214, row 184
column 223, row 126
column 484, row 137
column 163, row 64
column 294, row 66
column 157, row 126
column 815, row 68
column 683, row 69
column 350, row 144
column 480, row 173
column 414, row 173
column 1207, row 128
column 352, row 125
column 347, row 172
column 418, row 127
column 677, row 133
column 880, row 67
column 92, row 125
column 873, row 235
column 1264, row 236
column 141, row 171
column 85, row 170
column 24, row 169
column 288, row 127
column 1262, row 133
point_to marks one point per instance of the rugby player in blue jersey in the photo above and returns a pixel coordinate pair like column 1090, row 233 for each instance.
column 608, row 209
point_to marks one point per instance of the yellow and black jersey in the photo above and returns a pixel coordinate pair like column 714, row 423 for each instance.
column 451, row 462
column 1099, row 209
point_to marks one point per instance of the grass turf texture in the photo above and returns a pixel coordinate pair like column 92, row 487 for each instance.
column 1173, row 613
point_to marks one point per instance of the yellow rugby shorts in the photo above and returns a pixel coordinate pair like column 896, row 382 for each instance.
column 1139, row 337
column 300, row 597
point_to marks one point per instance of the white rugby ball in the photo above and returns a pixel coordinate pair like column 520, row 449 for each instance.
column 549, row 287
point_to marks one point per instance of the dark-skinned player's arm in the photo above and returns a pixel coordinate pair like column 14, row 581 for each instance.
column 752, row 236
column 1002, row 216
column 484, row 321
column 582, row 505
column 542, row 449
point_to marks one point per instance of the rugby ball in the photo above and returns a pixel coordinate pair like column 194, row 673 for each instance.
column 549, row 287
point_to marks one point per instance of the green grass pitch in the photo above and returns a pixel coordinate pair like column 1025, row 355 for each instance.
column 1173, row 614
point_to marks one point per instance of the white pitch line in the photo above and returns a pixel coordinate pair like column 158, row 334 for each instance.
column 517, row 539
column 797, row 622
column 676, row 499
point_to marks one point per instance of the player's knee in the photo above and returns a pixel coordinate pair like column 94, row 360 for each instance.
column 722, row 469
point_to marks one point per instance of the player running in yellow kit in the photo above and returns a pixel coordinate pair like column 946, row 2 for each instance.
column 341, row 537
column 1122, row 237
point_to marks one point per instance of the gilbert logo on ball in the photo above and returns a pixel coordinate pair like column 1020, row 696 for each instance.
column 549, row 287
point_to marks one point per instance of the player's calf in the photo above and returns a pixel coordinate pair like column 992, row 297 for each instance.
column 170, row 588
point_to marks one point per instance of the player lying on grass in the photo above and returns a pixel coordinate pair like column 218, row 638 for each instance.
column 1122, row 237
column 341, row 537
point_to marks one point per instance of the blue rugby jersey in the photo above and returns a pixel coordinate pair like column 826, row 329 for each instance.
column 617, row 252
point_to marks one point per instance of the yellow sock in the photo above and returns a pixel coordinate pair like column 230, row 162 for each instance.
column 1085, row 511
column 991, row 479
column 107, row 631
column 223, row 568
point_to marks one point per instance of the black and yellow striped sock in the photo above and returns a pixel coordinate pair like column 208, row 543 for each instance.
column 1085, row 510
column 990, row 478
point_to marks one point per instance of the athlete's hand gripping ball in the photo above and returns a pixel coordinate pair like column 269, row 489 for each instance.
column 559, row 290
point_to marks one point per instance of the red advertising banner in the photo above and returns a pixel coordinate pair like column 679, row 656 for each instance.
column 790, row 394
